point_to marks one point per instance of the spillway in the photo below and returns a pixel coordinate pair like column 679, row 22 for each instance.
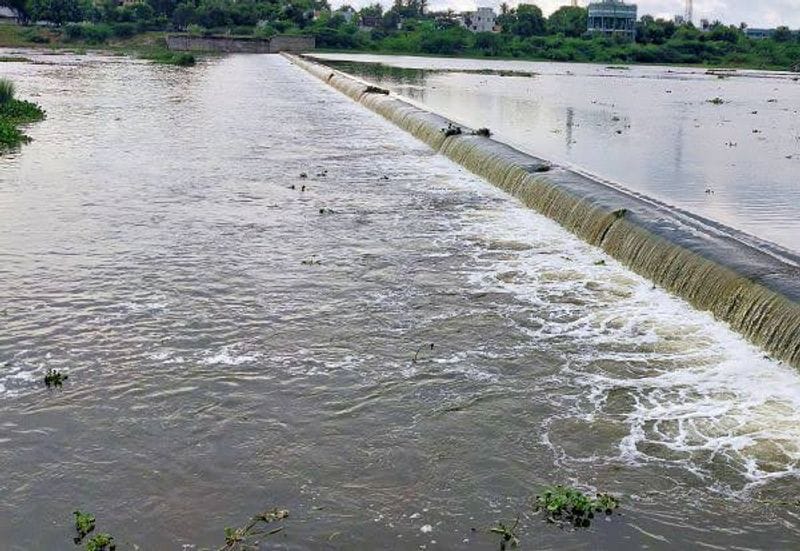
column 739, row 279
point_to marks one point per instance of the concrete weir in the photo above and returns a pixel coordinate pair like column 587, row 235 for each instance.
column 753, row 286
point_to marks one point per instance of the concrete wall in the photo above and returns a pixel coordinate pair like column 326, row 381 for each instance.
column 224, row 44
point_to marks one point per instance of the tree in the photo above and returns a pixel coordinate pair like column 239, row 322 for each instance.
column 19, row 6
column 373, row 10
column 654, row 31
column 725, row 34
column 782, row 34
column 526, row 20
column 569, row 21
column 55, row 11
column 183, row 15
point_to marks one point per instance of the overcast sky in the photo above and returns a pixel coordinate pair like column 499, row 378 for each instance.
column 757, row 13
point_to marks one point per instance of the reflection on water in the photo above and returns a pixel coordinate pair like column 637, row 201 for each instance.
column 232, row 348
column 650, row 129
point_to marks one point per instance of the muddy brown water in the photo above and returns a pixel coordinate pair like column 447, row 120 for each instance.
column 230, row 348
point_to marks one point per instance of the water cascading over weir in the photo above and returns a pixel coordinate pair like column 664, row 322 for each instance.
column 752, row 285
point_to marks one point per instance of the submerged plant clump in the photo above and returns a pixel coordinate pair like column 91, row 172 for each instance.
column 54, row 378
column 101, row 542
column 246, row 537
column 84, row 524
column 166, row 57
column 508, row 534
column 565, row 505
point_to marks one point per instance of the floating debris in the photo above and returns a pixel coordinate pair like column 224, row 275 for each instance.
column 451, row 130
column 716, row 101
column 508, row 534
column 54, row 378
column 245, row 537
column 376, row 90
column 485, row 132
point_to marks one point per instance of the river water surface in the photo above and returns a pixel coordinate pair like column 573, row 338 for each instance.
column 234, row 343
column 660, row 131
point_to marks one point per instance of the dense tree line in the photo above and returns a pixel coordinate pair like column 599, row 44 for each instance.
column 409, row 27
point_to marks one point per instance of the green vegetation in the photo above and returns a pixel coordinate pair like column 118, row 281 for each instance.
column 408, row 28
column 84, row 524
column 246, row 537
column 100, row 542
column 13, row 113
column 6, row 91
column 181, row 59
column 565, row 505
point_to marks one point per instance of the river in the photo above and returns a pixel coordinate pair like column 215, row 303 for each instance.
column 659, row 131
column 235, row 342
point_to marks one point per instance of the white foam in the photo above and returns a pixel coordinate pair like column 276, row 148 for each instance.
column 698, row 390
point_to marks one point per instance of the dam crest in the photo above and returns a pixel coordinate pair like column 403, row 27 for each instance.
column 753, row 287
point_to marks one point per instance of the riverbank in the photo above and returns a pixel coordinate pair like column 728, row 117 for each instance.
column 150, row 45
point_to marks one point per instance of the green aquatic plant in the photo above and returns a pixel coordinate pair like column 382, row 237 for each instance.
column 54, row 378
column 84, row 524
column 14, row 112
column 716, row 101
column 508, row 534
column 10, row 135
column 566, row 505
column 100, row 542
column 20, row 112
column 485, row 132
column 245, row 538
column 7, row 90
column 166, row 57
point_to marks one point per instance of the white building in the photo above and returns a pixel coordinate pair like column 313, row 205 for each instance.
column 347, row 13
column 481, row 21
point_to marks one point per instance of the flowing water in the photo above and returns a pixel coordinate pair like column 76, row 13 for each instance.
column 650, row 129
column 235, row 343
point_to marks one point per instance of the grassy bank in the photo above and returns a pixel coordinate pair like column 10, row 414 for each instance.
column 79, row 38
column 13, row 114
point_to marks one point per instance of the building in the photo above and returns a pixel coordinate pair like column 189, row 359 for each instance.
column 8, row 14
column 369, row 22
column 482, row 21
column 613, row 17
column 347, row 13
column 759, row 34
